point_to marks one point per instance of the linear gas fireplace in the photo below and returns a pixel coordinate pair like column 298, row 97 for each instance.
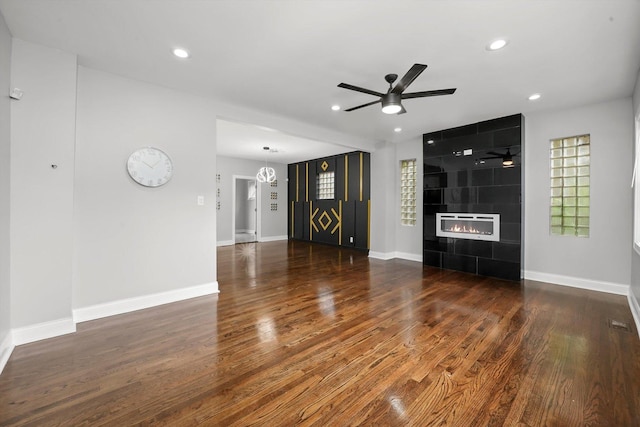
column 468, row 226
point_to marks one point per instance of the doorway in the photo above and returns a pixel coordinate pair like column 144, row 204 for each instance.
column 245, row 209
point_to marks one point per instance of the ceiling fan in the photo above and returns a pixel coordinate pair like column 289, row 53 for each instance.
column 391, row 101
column 507, row 158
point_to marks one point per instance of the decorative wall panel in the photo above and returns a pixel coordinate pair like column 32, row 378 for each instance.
column 329, row 200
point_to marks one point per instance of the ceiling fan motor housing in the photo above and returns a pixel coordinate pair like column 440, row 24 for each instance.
column 391, row 100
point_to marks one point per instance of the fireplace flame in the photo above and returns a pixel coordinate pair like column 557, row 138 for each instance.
column 457, row 229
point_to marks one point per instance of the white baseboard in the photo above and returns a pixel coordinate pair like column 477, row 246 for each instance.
column 635, row 310
column 138, row 303
column 577, row 282
column 41, row 331
column 390, row 255
column 382, row 255
column 225, row 243
column 272, row 238
column 409, row 257
column 6, row 348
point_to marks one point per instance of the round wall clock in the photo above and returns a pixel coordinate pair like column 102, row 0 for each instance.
column 150, row 167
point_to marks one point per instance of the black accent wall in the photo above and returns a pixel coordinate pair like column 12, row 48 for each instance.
column 455, row 182
column 343, row 220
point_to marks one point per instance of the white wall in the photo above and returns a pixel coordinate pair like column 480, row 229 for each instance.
column 272, row 225
column 129, row 240
column 5, row 144
column 408, row 239
column 42, row 134
column 635, row 257
column 604, row 259
column 383, row 196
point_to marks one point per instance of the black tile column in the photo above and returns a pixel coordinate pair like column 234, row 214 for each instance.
column 457, row 178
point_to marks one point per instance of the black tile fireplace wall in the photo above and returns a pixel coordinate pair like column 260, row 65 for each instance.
column 458, row 179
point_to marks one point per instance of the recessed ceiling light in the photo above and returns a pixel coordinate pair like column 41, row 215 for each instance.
column 335, row 107
column 397, row 130
column 181, row 53
column 534, row 97
column 497, row 44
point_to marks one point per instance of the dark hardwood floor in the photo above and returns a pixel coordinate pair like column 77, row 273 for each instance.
column 314, row 335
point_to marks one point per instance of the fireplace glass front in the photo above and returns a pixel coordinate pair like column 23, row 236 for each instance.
column 468, row 226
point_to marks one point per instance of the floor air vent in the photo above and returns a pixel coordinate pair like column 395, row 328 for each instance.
column 617, row 324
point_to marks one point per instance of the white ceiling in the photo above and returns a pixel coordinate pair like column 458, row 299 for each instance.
column 287, row 57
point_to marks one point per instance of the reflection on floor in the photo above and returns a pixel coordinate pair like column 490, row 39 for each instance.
column 245, row 237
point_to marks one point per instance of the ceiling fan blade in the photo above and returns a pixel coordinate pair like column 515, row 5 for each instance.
column 359, row 89
column 428, row 93
column 408, row 78
column 363, row 105
column 493, row 153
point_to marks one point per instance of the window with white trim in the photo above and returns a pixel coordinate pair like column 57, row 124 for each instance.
column 408, row 192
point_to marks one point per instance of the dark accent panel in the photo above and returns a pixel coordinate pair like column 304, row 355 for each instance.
column 429, row 227
column 510, row 231
column 339, row 177
column 514, row 121
column 500, row 269
column 454, row 133
column 432, row 165
column 462, row 178
column 348, row 223
column 506, row 252
column 331, row 224
column 454, row 182
column 459, row 263
column 302, row 182
column 499, row 194
column 433, row 197
column 481, row 177
column 507, row 176
column 313, row 183
column 354, row 176
column 299, row 220
column 305, row 220
column 508, row 212
column 507, row 138
column 432, row 258
column 435, row 180
column 471, row 208
column 460, row 195
column 440, row 244
column 361, row 225
column 325, row 221
column 366, row 172
column 473, row 248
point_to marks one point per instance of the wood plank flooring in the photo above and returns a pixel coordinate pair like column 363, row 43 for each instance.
column 313, row 335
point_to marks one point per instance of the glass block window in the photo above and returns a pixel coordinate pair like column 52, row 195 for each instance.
column 408, row 192
column 570, row 159
column 325, row 186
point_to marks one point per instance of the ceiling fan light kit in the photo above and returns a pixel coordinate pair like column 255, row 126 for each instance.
column 391, row 103
column 392, row 100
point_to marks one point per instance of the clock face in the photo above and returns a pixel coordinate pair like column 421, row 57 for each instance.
column 150, row 167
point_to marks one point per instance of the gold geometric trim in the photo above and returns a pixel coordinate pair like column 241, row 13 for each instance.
column 324, row 165
column 339, row 224
column 327, row 221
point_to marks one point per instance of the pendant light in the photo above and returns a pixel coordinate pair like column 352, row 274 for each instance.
column 266, row 173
